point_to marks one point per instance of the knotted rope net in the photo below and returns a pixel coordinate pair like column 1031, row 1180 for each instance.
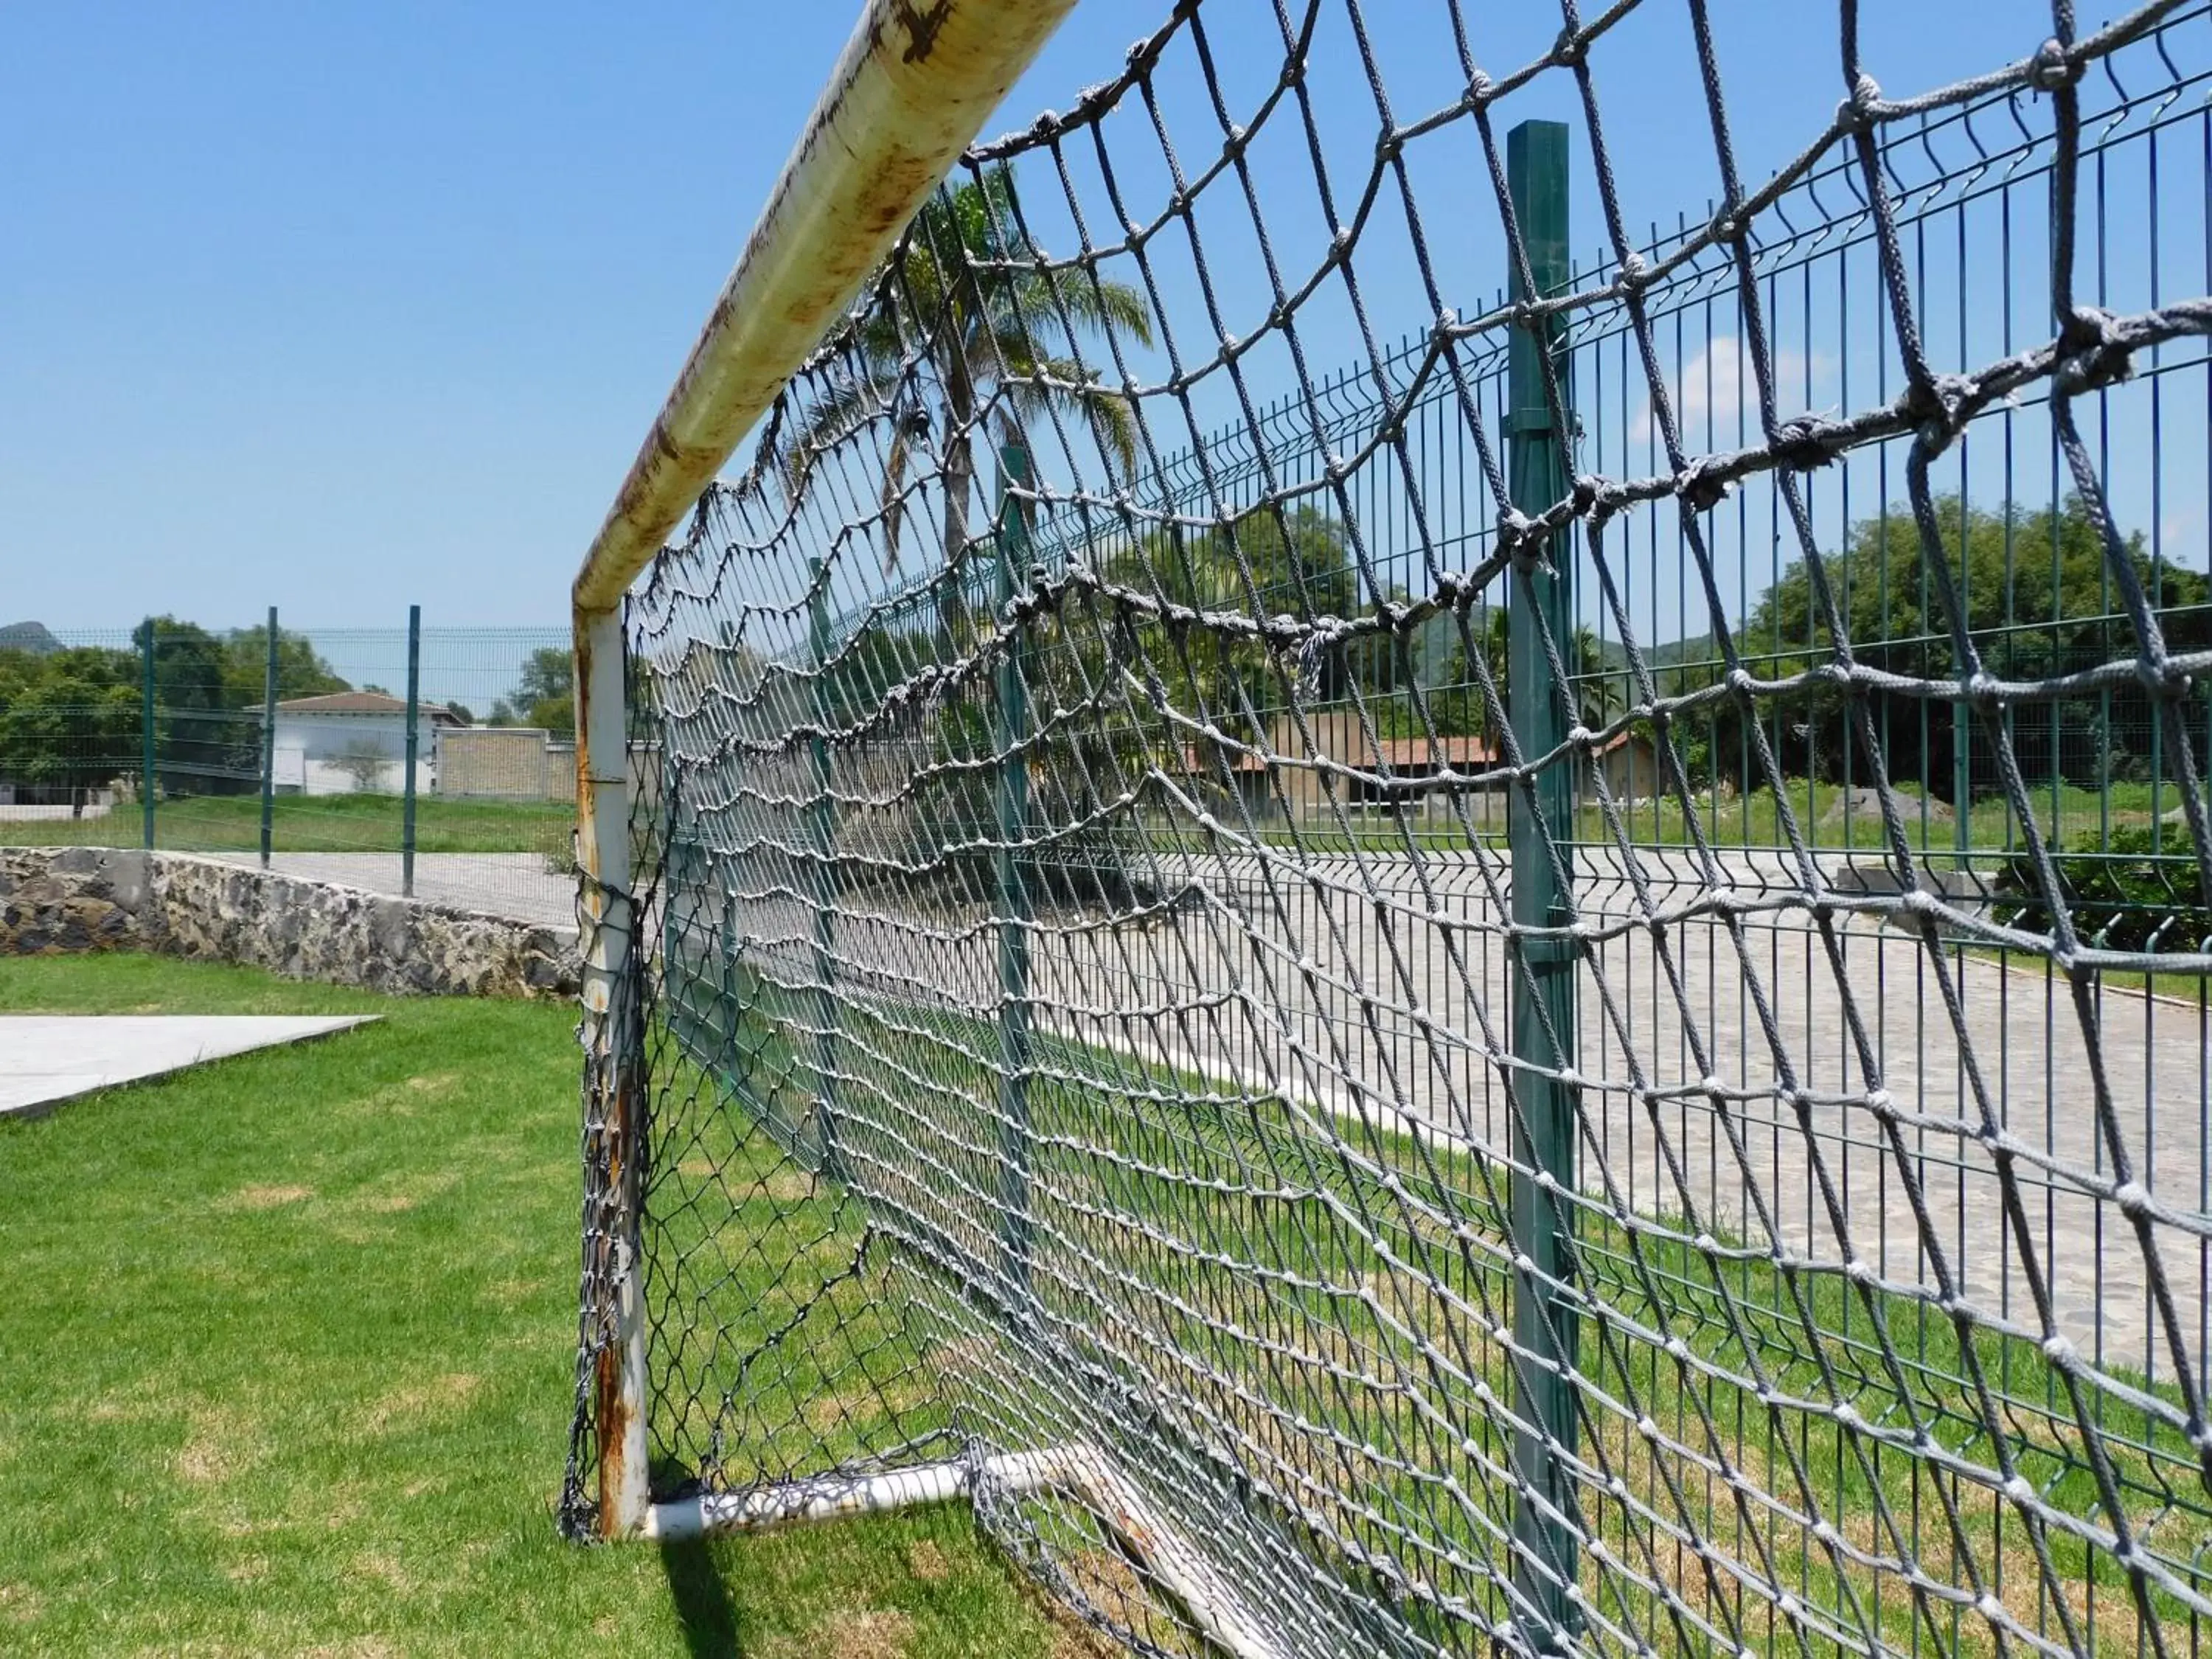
column 1413, row 968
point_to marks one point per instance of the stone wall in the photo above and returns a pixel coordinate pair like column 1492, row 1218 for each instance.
column 62, row 900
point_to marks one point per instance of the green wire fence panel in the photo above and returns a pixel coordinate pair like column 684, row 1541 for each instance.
column 1541, row 983
column 290, row 747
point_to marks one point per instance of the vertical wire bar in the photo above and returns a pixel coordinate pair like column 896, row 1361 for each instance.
column 1543, row 1173
column 1013, row 898
column 822, row 821
column 269, row 745
column 414, row 741
column 146, row 730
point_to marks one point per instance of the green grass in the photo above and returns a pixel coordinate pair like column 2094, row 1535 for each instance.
column 1729, row 820
column 312, row 824
column 290, row 1343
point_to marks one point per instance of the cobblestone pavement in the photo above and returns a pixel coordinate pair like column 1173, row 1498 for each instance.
column 1369, row 985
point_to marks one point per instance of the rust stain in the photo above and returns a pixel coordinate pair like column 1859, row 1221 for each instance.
column 920, row 28
column 586, row 794
column 613, row 1415
column 613, row 1423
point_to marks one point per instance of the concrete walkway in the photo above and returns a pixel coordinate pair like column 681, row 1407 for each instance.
column 515, row 885
column 47, row 1059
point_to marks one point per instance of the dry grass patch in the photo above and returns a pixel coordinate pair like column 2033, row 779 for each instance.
column 874, row 1633
column 394, row 1197
column 382, row 1568
column 18, row 1606
column 404, row 1099
column 410, row 1403
column 265, row 1197
column 218, row 1443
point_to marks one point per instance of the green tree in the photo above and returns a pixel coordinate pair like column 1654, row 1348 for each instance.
column 2039, row 601
column 301, row 669
column 1300, row 565
column 544, row 695
column 201, row 744
column 1458, row 706
column 958, row 336
column 70, row 721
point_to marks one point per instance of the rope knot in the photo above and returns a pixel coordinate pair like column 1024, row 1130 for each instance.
column 1942, row 409
column 2091, row 353
column 1703, row 491
column 1858, row 112
column 1801, row 443
column 2051, row 68
column 1523, row 538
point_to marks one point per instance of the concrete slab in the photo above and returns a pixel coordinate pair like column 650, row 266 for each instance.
column 47, row 1059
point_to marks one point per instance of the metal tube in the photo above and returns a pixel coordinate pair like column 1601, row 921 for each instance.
column 913, row 88
column 1012, row 894
column 269, row 745
column 822, row 834
column 1540, row 824
column 414, row 745
column 146, row 731
column 1076, row 1471
column 609, row 1041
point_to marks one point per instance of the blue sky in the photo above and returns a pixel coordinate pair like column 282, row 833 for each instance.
column 341, row 307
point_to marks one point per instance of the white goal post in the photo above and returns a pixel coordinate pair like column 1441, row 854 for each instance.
column 912, row 89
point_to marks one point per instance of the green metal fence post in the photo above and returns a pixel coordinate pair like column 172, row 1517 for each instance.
column 1544, row 1557
column 822, row 822
column 146, row 730
column 1012, row 888
column 269, row 745
column 414, row 740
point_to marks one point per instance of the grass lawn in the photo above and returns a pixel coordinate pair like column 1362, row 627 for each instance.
column 314, row 823
column 1825, row 818
column 290, row 1344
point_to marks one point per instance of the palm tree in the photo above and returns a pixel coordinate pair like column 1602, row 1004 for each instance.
column 957, row 339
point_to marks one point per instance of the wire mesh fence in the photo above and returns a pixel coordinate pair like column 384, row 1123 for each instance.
column 1550, row 991
column 189, row 738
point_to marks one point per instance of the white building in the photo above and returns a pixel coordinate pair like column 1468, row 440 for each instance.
column 349, row 741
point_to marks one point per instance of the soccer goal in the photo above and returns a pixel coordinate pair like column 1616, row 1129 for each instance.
column 1406, row 833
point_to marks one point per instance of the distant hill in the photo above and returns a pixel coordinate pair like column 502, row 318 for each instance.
column 1697, row 648
column 28, row 636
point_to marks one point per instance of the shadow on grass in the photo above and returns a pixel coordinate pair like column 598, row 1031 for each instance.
column 702, row 1605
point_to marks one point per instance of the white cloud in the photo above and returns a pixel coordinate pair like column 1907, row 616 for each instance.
column 1716, row 382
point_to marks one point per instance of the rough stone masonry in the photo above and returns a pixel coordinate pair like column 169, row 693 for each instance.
column 70, row 899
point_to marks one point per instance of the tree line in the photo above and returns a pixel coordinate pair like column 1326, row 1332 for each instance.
column 2036, row 587
column 71, row 717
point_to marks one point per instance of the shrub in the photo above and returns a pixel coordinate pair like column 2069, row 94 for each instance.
column 2122, row 895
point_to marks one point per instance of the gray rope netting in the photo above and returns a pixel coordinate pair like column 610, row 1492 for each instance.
column 1079, row 804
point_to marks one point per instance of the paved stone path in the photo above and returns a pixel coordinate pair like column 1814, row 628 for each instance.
column 1399, row 1008
column 47, row 1059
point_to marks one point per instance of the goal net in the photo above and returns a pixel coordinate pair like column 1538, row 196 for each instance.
column 1412, row 913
